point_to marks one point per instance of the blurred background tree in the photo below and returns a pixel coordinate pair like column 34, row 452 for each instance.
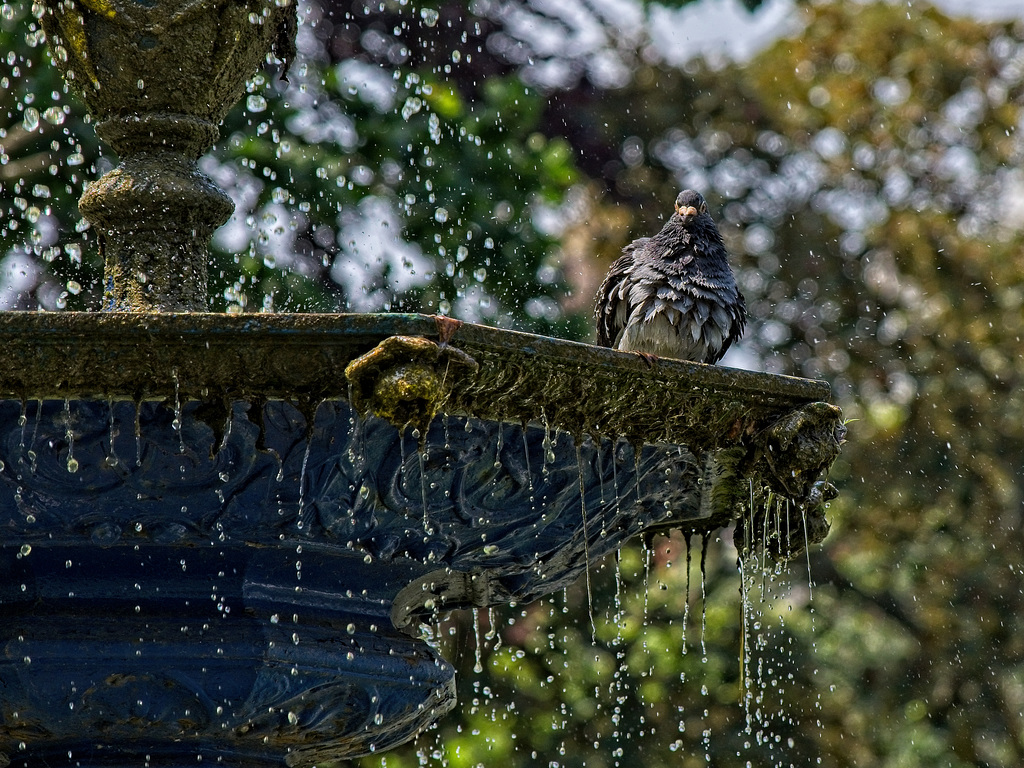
column 488, row 161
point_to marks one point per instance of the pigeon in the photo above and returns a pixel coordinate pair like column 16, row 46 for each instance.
column 673, row 294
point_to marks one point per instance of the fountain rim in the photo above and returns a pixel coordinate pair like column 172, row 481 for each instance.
column 325, row 329
column 302, row 358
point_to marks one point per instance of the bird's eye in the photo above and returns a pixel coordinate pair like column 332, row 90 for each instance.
column 703, row 207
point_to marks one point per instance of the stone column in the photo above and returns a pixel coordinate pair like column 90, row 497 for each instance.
column 159, row 77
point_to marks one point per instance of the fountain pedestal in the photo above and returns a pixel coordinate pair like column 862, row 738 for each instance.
column 159, row 78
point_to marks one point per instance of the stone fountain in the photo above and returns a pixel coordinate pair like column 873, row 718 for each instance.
column 222, row 532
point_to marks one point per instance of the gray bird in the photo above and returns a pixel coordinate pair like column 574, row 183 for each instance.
column 673, row 295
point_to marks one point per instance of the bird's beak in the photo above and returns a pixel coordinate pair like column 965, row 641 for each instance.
column 688, row 213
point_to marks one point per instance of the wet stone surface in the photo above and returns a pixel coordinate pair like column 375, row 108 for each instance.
column 210, row 552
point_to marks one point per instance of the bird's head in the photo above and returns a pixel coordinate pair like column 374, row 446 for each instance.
column 690, row 205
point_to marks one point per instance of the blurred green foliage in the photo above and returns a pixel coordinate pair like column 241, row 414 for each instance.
column 867, row 174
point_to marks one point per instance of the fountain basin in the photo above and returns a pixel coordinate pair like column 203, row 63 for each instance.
column 214, row 550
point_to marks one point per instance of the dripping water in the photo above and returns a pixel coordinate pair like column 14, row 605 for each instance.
column 686, row 605
column 705, row 539
column 497, row 449
column 229, row 423
column 526, row 456
column 402, row 459
column 546, row 444
column 637, row 451
column 69, row 435
column 22, row 421
column 647, row 574
column 111, row 460
column 615, row 476
column 421, row 456
column 618, row 618
column 354, row 443
column 807, row 553
column 764, row 543
column 492, row 630
column 33, row 456
column 705, row 481
column 586, row 538
column 302, row 513
column 789, row 536
column 138, row 433
column 745, row 683
column 478, row 641
column 176, row 423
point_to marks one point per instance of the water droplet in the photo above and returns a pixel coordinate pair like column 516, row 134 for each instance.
column 411, row 106
column 54, row 115
column 255, row 103
column 31, row 119
column 429, row 16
